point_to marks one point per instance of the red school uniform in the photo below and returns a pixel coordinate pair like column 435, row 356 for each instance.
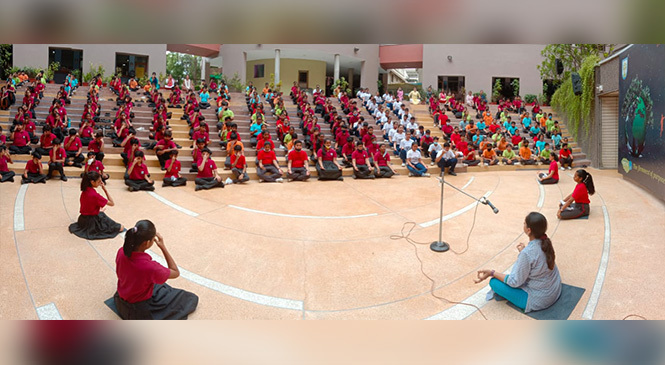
column 348, row 148
column 87, row 132
column 139, row 172
column 21, row 138
column 554, row 167
column 208, row 168
column 382, row 159
column 91, row 202
column 266, row 158
column 60, row 154
column 32, row 167
column 97, row 166
column 238, row 162
column 46, row 141
column 175, row 170
column 564, row 153
column 75, row 145
column 360, row 157
column 137, row 275
column 297, row 158
column 3, row 164
column 329, row 155
column 581, row 194
column 95, row 146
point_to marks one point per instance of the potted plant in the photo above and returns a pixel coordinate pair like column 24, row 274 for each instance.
column 50, row 72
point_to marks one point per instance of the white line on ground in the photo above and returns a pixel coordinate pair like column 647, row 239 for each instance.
column 541, row 197
column 48, row 312
column 469, row 182
column 172, row 205
column 454, row 214
column 460, row 311
column 233, row 291
column 19, row 222
column 304, row 216
column 602, row 270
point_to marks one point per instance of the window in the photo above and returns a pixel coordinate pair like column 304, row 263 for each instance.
column 69, row 60
column 259, row 70
column 451, row 83
column 129, row 65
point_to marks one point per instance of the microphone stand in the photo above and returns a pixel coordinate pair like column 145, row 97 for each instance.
column 440, row 246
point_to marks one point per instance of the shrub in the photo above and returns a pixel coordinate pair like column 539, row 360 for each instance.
column 530, row 98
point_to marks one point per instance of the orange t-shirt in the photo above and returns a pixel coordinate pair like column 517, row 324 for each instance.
column 543, row 120
column 230, row 146
column 133, row 84
column 525, row 153
column 502, row 145
column 490, row 154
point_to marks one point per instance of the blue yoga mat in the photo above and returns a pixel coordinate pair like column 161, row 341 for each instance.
column 561, row 310
column 110, row 302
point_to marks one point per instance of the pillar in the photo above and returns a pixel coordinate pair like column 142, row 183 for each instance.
column 203, row 68
column 336, row 74
column 277, row 61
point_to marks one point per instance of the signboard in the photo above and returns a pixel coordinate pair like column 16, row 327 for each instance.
column 641, row 117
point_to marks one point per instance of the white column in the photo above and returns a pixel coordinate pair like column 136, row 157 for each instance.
column 203, row 68
column 336, row 67
column 277, row 65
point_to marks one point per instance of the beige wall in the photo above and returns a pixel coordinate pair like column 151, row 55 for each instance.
column 288, row 72
column 36, row 55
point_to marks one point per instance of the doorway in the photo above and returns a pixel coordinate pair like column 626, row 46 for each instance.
column 129, row 65
column 453, row 84
column 69, row 60
column 303, row 79
column 507, row 89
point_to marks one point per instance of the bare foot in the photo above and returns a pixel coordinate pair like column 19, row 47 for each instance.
column 122, row 228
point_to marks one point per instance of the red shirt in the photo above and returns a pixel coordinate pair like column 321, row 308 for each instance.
column 329, row 155
column 360, row 157
column 516, row 139
column 266, row 157
column 208, row 168
column 21, row 138
column 297, row 158
column 554, row 167
column 47, row 140
column 261, row 142
column 96, row 165
column 87, row 132
column 139, row 172
column 94, row 146
column 382, row 159
column 166, row 144
column 75, row 145
column 3, row 164
column 198, row 134
column 238, row 162
column 60, row 154
column 564, row 153
column 581, row 194
column 348, row 148
column 91, row 202
column 128, row 147
column 137, row 275
column 33, row 167
column 175, row 171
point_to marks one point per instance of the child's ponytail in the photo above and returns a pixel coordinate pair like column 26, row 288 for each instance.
column 144, row 230
column 587, row 180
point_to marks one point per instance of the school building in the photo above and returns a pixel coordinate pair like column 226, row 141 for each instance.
column 443, row 66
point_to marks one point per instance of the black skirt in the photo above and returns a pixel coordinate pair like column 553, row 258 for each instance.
column 165, row 303
column 95, row 227
column 330, row 171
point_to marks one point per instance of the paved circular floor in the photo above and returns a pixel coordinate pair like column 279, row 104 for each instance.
column 323, row 250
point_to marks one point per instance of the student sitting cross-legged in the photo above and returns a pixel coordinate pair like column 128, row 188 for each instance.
column 552, row 176
column 173, row 167
column 268, row 168
column 298, row 163
column 382, row 166
column 207, row 176
column 360, row 162
column 508, row 156
column 238, row 165
column 142, row 292
column 576, row 205
column 414, row 162
column 327, row 166
column 525, row 155
column 5, row 158
column 446, row 158
column 33, row 170
column 534, row 282
column 137, row 176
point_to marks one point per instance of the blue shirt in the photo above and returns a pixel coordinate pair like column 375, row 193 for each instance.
column 478, row 138
column 556, row 139
column 506, row 125
column 255, row 129
column 481, row 125
column 527, row 122
column 535, row 130
column 531, row 274
column 204, row 97
column 540, row 145
column 512, row 130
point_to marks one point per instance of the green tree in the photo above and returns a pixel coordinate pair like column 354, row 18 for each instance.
column 179, row 65
column 571, row 55
column 5, row 60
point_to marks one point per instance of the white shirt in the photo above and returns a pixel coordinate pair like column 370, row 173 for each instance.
column 447, row 155
column 434, row 149
column 188, row 83
column 413, row 126
column 398, row 137
column 405, row 144
column 387, row 127
column 413, row 156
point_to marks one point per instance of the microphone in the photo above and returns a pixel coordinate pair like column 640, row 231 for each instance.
column 487, row 202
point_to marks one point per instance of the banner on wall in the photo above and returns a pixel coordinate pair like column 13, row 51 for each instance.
column 641, row 116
